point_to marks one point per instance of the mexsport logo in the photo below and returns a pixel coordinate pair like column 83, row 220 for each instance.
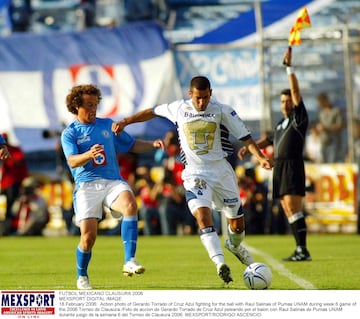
column 24, row 302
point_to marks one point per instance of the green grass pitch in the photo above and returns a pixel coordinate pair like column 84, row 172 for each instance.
column 177, row 263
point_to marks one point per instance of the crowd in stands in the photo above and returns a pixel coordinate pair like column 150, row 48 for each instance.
column 46, row 16
column 158, row 188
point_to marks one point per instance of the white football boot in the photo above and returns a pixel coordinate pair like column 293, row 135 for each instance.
column 240, row 253
column 132, row 267
column 83, row 283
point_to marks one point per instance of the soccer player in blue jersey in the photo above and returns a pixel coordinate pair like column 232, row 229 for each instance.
column 91, row 148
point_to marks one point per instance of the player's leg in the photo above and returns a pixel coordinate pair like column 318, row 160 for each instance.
column 88, row 211
column 211, row 242
column 292, row 205
column 199, row 200
column 88, row 231
column 125, row 203
column 236, row 234
column 227, row 198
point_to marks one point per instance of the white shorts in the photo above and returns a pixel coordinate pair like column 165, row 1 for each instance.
column 90, row 197
column 214, row 186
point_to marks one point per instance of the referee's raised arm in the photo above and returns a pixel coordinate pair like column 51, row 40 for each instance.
column 294, row 84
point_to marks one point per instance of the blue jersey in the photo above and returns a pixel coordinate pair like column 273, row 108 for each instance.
column 78, row 138
column 2, row 141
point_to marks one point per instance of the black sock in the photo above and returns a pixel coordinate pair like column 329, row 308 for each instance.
column 299, row 230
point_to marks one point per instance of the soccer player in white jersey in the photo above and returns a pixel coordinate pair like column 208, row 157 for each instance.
column 209, row 180
column 91, row 148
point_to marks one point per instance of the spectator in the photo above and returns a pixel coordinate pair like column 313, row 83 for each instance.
column 356, row 77
column 29, row 210
column 312, row 151
column 172, row 207
column 330, row 127
column 356, row 136
column 148, row 193
column 13, row 171
column 254, row 196
column 127, row 164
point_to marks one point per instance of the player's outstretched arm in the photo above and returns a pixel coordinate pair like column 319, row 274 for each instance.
column 294, row 84
column 141, row 116
column 141, row 146
column 261, row 143
column 254, row 149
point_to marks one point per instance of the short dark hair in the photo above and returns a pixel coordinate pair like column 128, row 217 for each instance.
column 286, row 92
column 200, row 83
column 75, row 98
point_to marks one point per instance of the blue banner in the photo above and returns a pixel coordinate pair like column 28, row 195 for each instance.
column 234, row 76
column 131, row 64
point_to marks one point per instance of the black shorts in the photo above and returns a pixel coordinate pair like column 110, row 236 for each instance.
column 288, row 178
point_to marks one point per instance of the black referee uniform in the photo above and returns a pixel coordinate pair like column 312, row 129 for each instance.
column 288, row 140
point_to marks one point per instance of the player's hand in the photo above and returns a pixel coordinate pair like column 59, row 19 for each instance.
column 242, row 152
column 4, row 152
column 267, row 163
column 118, row 127
column 159, row 144
column 96, row 150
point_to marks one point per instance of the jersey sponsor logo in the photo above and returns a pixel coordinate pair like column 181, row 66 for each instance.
column 230, row 200
column 83, row 139
column 202, row 115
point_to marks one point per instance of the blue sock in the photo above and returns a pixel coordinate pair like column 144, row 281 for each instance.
column 82, row 261
column 129, row 234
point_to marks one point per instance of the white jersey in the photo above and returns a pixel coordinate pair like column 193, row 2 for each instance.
column 200, row 133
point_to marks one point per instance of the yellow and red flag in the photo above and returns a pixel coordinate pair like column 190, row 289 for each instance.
column 302, row 22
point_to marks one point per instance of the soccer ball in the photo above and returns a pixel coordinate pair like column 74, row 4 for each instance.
column 257, row 276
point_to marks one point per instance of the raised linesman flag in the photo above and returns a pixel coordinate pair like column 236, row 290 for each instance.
column 302, row 22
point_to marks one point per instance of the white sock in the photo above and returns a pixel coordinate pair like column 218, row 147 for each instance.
column 212, row 245
column 235, row 238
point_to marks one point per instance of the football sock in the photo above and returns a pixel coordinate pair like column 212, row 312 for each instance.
column 235, row 238
column 129, row 234
column 298, row 226
column 82, row 261
column 211, row 242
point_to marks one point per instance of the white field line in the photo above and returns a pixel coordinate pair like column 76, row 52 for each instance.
column 281, row 269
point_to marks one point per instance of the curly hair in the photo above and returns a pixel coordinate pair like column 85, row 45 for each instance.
column 75, row 98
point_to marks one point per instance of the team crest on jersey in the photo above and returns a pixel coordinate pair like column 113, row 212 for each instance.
column 233, row 113
column 100, row 160
column 105, row 133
